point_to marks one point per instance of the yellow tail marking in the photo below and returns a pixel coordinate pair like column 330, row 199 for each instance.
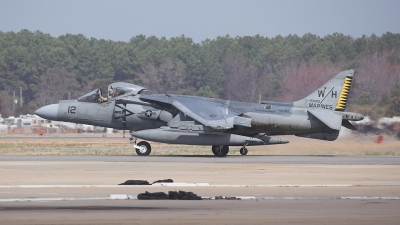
column 343, row 95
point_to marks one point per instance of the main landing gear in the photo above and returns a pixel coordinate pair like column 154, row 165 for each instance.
column 142, row 148
column 220, row 150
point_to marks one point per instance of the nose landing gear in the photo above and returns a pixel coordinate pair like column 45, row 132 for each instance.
column 142, row 148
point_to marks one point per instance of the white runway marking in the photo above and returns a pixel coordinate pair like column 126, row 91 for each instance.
column 201, row 185
column 118, row 196
column 51, row 199
column 134, row 197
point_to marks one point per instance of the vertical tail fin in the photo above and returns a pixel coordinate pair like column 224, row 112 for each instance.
column 330, row 96
column 341, row 104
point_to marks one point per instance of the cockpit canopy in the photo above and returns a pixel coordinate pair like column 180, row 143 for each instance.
column 121, row 88
column 114, row 90
column 92, row 96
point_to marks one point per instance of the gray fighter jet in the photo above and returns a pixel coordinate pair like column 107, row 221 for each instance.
column 181, row 119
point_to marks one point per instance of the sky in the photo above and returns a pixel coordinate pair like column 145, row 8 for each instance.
column 120, row 20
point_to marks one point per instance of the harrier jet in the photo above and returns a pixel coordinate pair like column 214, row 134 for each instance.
column 192, row 120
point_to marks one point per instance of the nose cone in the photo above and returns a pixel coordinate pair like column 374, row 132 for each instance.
column 49, row 112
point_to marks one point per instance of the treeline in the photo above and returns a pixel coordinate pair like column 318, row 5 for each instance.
column 249, row 68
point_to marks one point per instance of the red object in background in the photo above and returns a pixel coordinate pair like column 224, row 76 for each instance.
column 41, row 132
column 379, row 139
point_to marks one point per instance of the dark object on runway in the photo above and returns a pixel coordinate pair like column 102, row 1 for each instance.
column 227, row 198
column 152, row 196
column 163, row 181
column 232, row 198
column 135, row 182
column 183, row 195
column 173, row 195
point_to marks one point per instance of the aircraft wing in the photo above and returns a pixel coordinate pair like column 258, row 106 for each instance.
column 214, row 113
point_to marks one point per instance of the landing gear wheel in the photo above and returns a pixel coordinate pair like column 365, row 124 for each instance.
column 213, row 149
column 220, row 150
column 144, row 149
column 243, row 151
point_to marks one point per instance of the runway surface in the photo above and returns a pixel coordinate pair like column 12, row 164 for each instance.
column 249, row 159
column 78, row 189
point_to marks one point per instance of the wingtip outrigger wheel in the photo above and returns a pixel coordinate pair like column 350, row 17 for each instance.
column 243, row 150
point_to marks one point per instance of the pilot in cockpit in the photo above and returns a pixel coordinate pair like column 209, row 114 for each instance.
column 111, row 93
column 118, row 91
column 101, row 98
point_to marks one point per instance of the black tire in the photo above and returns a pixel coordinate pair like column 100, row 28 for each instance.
column 146, row 150
column 214, row 149
column 220, row 150
column 243, row 151
column 225, row 149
